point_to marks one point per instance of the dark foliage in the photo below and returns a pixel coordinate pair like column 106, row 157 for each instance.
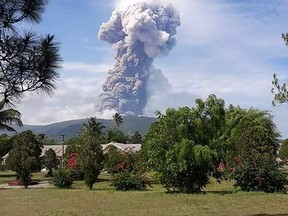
column 130, row 181
column 51, row 161
column 24, row 158
column 62, row 178
column 260, row 174
column 28, row 62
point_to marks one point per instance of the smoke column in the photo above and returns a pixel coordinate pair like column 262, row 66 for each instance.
column 139, row 33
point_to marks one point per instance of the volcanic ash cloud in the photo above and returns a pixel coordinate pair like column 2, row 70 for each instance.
column 139, row 34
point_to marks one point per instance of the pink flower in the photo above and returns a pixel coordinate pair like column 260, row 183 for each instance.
column 221, row 167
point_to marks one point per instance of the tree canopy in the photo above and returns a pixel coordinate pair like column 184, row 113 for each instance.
column 24, row 157
column 183, row 145
column 186, row 145
column 28, row 62
column 283, row 152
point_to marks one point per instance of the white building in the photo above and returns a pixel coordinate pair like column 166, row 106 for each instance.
column 60, row 149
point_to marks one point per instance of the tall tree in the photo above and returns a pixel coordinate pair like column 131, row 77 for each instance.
column 24, row 158
column 252, row 146
column 90, row 159
column 93, row 128
column 28, row 62
column 249, row 130
column 283, row 152
column 50, row 161
column 117, row 119
column 183, row 145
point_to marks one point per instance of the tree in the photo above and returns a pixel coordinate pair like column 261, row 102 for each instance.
column 136, row 138
column 280, row 91
column 93, row 128
column 249, row 130
column 283, row 152
column 254, row 141
column 285, row 38
column 9, row 116
column 185, row 143
column 254, row 173
column 24, row 158
column 89, row 152
column 117, row 119
column 50, row 161
column 115, row 135
column 186, row 167
column 5, row 144
column 90, row 159
column 27, row 62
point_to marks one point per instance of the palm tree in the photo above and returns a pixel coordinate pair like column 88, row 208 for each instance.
column 9, row 116
column 117, row 119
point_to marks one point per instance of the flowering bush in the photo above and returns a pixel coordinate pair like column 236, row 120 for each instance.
column 259, row 174
column 254, row 174
column 117, row 161
column 127, row 173
column 73, row 166
column 72, row 161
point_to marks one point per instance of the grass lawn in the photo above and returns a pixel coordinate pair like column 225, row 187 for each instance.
column 218, row 199
column 6, row 176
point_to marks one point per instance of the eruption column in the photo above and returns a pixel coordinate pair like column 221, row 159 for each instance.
column 139, row 34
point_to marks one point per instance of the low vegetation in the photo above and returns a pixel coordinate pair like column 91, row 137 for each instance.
column 216, row 199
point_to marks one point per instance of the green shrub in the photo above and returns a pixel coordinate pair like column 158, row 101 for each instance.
column 187, row 167
column 260, row 174
column 128, row 173
column 130, row 181
column 62, row 178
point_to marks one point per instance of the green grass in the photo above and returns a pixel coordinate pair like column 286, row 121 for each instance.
column 6, row 176
column 218, row 199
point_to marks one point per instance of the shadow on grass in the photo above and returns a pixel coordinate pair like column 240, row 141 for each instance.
column 280, row 214
column 103, row 180
column 7, row 175
column 221, row 192
column 202, row 192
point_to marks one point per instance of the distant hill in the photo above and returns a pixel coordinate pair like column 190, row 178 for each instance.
column 71, row 128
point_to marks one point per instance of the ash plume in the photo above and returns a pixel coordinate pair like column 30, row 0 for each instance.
column 139, row 33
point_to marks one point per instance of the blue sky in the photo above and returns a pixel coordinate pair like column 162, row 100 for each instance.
column 226, row 47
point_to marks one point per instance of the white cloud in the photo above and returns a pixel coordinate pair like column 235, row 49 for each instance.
column 90, row 68
column 75, row 97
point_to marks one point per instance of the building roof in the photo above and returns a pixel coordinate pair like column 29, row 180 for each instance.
column 122, row 147
column 60, row 149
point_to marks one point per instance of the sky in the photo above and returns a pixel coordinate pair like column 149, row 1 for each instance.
column 230, row 48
